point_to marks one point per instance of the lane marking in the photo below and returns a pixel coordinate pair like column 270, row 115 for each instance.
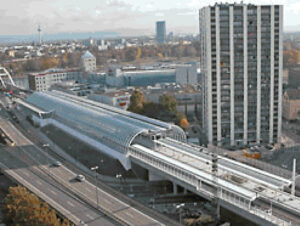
column 53, row 192
column 107, row 201
column 89, row 216
column 70, row 203
column 129, row 214
column 26, row 173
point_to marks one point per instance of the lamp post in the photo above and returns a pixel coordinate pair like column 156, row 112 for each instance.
column 45, row 146
column 119, row 176
column 179, row 207
column 95, row 169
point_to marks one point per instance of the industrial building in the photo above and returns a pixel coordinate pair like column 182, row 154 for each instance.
column 241, row 64
column 183, row 74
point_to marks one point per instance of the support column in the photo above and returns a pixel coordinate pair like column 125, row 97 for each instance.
column 175, row 191
column 185, row 191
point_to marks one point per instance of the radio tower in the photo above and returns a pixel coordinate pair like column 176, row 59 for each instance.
column 40, row 35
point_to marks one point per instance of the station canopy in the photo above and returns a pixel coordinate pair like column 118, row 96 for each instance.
column 109, row 125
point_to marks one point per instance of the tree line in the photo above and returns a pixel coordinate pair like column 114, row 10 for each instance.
column 128, row 54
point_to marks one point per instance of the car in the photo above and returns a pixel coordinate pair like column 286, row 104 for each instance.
column 80, row 178
column 57, row 164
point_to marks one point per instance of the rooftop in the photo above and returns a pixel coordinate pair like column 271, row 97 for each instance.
column 87, row 55
column 112, row 126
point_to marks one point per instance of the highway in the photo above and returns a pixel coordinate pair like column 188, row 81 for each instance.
column 66, row 202
column 39, row 161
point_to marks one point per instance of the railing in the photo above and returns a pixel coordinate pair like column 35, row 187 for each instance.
column 246, row 205
column 193, row 180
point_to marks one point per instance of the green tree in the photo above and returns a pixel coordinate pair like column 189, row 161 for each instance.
column 151, row 110
column 168, row 103
column 137, row 101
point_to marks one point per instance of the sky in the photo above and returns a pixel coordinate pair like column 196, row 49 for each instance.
column 135, row 17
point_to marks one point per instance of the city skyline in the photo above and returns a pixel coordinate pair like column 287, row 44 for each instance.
column 116, row 15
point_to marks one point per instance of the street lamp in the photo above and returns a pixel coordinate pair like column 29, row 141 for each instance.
column 119, row 176
column 45, row 146
column 96, row 184
column 179, row 207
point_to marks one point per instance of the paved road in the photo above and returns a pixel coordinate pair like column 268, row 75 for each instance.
column 47, row 186
column 65, row 178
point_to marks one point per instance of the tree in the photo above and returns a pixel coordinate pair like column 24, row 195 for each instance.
column 130, row 54
column 151, row 109
column 21, row 207
column 181, row 120
column 184, row 123
column 190, row 51
column 137, row 101
column 168, row 103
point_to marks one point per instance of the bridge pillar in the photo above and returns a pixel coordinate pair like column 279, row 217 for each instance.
column 185, row 191
column 175, row 190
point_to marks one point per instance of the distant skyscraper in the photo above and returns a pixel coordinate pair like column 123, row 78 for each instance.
column 40, row 35
column 161, row 32
column 241, row 64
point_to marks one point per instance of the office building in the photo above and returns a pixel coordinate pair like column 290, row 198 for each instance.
column 161, row 32
column 241, row 65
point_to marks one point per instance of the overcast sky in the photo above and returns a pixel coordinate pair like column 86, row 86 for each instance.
column 125, row 16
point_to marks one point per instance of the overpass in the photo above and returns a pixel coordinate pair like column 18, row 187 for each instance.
column 161, row 149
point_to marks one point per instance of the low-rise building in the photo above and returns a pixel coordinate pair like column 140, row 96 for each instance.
column 291, row 104
column 116, row 98
column 183, row 74
column 44, row 80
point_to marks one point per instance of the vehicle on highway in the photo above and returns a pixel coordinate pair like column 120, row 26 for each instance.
column 57, row 164
column 80, row 178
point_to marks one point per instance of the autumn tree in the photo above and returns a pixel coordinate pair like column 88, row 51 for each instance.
column 137, row 101
column 21, row 207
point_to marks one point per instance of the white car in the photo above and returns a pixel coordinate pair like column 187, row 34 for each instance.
column 57, row 164
column 80, row 178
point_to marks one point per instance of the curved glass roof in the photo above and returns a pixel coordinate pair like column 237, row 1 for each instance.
column 109, row 127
